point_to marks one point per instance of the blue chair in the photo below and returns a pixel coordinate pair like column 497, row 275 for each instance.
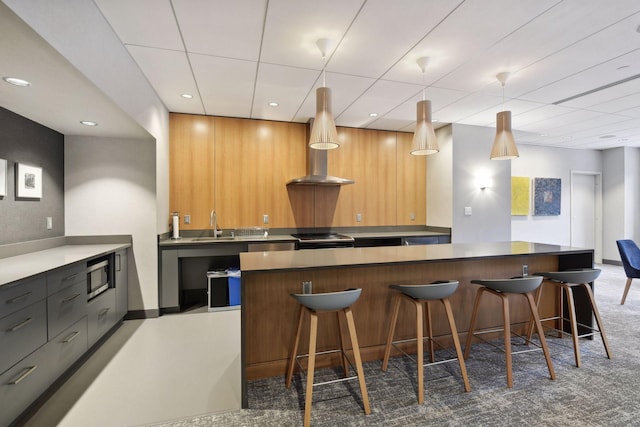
column 630, row 255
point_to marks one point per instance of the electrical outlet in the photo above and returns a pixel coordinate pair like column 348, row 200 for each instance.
column 467, row 211
column 412, row 216
column 49, row 223
column 358, row 217
column 265, row 218
column 525, row 270
column 187, row 219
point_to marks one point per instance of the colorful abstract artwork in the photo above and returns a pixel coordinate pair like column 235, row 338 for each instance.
column 520, row 195
column 546, row 196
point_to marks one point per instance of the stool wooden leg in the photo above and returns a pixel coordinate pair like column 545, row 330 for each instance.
column 626, row 290
column 456, row 342
column 294, row 348
column 420, row 350
column 432, row 353
column 392, row 328
column 358, row 360
column 531, row 319
column 343, row 356
column 574, row 325
column 472, row 325
column 596, row 313
column 507, row 338
column 543, row 341
column 313, row 335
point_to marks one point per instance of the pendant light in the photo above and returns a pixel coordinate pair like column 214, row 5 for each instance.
column 424, row 137
column 504, row 145
column 323, row 133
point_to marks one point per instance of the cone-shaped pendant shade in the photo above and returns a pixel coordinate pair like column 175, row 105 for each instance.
column 504, row 146
column 424, row 137
column 323, row 134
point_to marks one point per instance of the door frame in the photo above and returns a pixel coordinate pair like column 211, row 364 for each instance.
column 597, row 256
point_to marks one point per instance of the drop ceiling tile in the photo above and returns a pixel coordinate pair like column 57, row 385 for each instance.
column 148, row 23
column 293, row 27
column 384, row 32
column 608, row 100
column 169, row 73
column 386, row 123
column 227, row 28
column 226, row 85
column 488, row 116
column 288, row 86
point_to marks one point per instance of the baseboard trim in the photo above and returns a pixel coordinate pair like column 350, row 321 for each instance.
column 612, row 262
column 142, row 314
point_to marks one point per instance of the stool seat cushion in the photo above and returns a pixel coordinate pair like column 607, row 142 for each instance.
column 516, row 285
column 432, row 291
column 329, row 301
column 586, row 275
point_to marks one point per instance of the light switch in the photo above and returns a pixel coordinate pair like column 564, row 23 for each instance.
column 49, row 223
column 187, row 219
column 467, row 210
column 412, row 216
column 358, row 217
column 265, row 218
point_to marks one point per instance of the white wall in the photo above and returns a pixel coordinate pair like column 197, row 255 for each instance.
column 440, row 181
column 490, row 220
column 550, row 162
column 110, row 188
column 613, row 189
column 632, row 192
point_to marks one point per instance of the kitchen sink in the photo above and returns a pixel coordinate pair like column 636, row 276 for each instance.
column 212, row 239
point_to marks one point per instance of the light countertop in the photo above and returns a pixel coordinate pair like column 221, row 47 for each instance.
column 341, row 257
column 23, row 266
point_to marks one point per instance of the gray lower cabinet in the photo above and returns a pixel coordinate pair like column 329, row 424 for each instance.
column 101, row 315
column 46, row 325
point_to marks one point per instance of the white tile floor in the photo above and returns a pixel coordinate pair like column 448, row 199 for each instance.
column 153, row 370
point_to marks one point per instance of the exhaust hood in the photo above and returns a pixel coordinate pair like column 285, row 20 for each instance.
column 317, row 170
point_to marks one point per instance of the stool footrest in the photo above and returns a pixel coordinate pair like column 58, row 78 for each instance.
column 304, row 372
column 525, row 339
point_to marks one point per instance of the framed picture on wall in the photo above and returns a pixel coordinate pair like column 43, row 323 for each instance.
column 28, row 181
column 3, row 177
column 546, row 196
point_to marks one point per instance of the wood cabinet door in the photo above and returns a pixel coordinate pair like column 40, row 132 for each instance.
column 191, row 168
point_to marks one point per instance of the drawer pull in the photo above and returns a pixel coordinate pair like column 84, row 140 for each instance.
column 71, row 337
column 73, row 276
column 71, row 298
column 103, row 312
column 24, row 375
column 18, row 298
column 20, row 325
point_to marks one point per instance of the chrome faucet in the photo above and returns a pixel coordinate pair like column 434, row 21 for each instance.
column 213, row 223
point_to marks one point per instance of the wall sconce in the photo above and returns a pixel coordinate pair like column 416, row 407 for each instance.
column 483, row 182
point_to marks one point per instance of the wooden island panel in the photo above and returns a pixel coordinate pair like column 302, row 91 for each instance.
column 269, row 313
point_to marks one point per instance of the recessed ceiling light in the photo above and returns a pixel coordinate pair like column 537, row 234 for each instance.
column 273, row 104
column 16, row 81
column 373, row 114
column 186, row 95
column 88, row 123
column 607, row 136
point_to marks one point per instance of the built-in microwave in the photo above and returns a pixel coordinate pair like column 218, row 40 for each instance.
column 98, row 277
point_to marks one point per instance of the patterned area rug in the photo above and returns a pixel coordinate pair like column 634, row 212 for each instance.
column 601, row 392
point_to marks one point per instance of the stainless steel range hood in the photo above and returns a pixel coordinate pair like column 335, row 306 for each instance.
column 317, row 170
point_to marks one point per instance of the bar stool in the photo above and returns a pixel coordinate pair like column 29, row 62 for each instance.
column 327, row 302
column 419, row 296
column 502, row 288
column 568, row 280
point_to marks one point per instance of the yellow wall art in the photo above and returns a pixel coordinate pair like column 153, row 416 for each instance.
column 520, row 195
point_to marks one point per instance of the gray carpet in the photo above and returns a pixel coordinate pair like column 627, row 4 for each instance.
column 601, row 392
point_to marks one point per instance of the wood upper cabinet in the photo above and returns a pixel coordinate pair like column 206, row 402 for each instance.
column 253, row 162
column 191, row 168
column 412, row 183
column 369, row 158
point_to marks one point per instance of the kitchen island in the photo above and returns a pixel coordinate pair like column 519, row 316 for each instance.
column 268, row 279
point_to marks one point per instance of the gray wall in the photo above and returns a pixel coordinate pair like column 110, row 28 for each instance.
column 25, row 141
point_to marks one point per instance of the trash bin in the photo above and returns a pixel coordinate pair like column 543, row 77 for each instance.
column 234, row 286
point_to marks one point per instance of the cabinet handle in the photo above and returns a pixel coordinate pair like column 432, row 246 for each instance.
column 24, row 375
column 118, row 266
column 71, row 298
column 18, row 298
column 73, row 276
column 71, row 337
column 20, row 325
column 103, row 312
